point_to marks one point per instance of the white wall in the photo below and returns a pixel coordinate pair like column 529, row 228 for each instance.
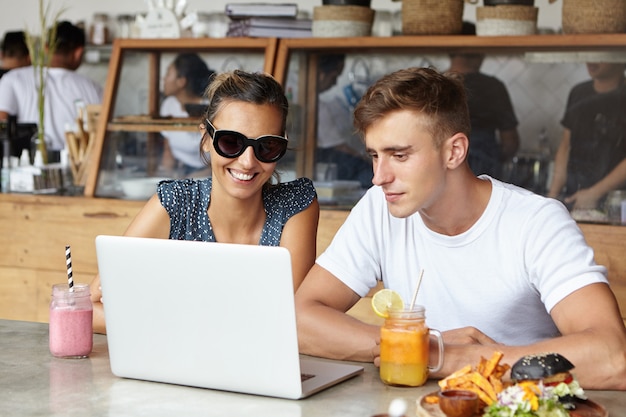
column 24, row 13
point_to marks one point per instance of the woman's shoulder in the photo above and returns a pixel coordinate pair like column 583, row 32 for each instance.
column 297, row 186
column 170, row 106
column 299, row 192
column 187, row 186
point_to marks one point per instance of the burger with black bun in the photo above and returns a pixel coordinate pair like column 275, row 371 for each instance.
column 543, row 386
column 553, row 370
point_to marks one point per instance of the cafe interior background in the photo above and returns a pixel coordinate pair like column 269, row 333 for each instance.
column 538, row 84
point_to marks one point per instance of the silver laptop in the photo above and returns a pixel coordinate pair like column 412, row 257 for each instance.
column 211, row 315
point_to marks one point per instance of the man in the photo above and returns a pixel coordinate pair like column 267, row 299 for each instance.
column 64, row 87
column 591, row 158
column 14, row 52
column 335, row 135
column 494, row 139
column 504, row 269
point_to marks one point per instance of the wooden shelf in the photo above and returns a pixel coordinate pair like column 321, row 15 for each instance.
column 154, row 48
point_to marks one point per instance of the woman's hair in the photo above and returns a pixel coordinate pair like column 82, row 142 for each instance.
column 248, row 87
column 439, row 97
column 191, row 67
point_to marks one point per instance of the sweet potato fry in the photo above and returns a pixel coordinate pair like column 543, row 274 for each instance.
column 431, row 399
column 485, row 379
column 482, row 396
column 483, row 384
column 464, row 370
column 491, row 364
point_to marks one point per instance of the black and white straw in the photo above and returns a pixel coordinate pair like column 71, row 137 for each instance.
column 68, row 263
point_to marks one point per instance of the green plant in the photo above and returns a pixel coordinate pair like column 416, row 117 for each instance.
column 41, row 49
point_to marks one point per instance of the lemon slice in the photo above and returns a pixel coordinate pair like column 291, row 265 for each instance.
column 384, row 300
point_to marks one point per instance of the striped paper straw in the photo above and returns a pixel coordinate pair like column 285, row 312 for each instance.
column 68, row 263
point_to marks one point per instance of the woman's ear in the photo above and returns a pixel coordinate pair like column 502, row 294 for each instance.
column 458, row 146
column 206, row 143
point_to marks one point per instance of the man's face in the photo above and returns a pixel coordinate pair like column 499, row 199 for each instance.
column 602, row 70
column 407, row 164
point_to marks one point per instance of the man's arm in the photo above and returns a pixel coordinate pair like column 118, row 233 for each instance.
column 560, row 166
column 593, row 339
column 509, row 143
column 323, row 327
column 588, row 197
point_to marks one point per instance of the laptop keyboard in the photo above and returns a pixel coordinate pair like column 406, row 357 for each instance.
column 304, row 377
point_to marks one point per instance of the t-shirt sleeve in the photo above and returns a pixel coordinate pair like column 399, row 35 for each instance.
column 179, row 199
column 294, row 196
column 563, row 262
column 7, row 95
column 506, row 118
column 354, row 255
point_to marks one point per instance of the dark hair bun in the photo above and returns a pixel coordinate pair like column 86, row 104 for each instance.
column 540, row 366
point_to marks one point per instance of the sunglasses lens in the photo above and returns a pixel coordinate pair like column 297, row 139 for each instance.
column 230, row 145
column 271, row 149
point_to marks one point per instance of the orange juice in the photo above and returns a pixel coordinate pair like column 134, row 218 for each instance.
column 404, row 348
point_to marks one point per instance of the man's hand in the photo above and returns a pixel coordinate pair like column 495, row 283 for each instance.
column 583, row 199
column 467, row 336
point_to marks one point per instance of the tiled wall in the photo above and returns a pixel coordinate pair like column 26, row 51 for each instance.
column 538, row 90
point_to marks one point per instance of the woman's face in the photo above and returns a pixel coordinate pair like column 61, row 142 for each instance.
column 244, row 176
column 172, row 83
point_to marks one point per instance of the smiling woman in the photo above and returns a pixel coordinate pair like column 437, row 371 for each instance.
column 243, row 201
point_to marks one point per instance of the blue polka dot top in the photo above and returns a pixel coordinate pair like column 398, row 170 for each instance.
column 187, row 203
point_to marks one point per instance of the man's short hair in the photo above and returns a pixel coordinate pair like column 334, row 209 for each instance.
column 14, row 45
column 441, row 98
column 69, row 37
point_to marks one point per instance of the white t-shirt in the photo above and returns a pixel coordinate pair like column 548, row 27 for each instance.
column 502, row 276
column 185, row 146
column 18, row 96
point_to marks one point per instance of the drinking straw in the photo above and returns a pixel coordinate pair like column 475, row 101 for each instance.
column 68, row 263
column 419, row 281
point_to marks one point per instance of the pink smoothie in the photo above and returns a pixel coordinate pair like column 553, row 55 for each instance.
column 71, row 332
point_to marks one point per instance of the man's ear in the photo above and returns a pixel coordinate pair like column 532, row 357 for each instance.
column 458, row 146
column 77, row 57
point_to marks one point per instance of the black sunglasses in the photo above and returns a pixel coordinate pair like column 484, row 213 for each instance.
column 231, row 144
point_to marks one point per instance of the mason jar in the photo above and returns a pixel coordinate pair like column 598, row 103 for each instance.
column 405, row 348
column 71, row 327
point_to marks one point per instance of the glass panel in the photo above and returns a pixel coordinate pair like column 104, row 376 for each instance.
column 538, row 86
column 133, row 145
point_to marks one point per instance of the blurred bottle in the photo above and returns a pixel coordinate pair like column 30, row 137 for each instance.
column 125, row 24
column 100, row 33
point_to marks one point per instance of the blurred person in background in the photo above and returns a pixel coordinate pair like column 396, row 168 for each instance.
column 64, row 88
column 14, row 52
column 591, row 158
column 494, row 139
column 185, row 82
column 335, row 131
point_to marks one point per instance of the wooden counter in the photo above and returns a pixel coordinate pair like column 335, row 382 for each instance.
column 35, row 229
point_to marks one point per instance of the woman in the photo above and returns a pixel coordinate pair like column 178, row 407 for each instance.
column 184, row 83
column 239, row 203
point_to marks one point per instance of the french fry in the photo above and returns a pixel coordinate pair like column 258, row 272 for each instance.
column 481, row 382
column 491, row 364
column 431, row 399
column 481, row 394
column 464, row 370
column 485, row 379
